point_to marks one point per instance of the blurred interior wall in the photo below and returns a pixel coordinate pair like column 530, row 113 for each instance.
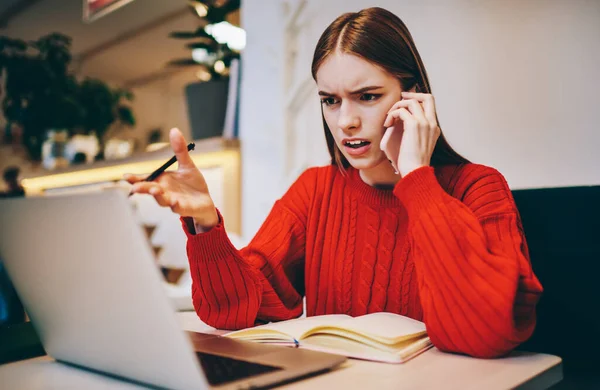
column 516, row 84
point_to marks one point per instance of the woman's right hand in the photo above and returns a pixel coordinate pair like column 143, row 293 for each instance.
column 185, row 191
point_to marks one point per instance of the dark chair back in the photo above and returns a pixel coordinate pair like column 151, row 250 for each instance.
column 562, row 228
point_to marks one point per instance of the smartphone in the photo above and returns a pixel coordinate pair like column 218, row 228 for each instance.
column 390, row 143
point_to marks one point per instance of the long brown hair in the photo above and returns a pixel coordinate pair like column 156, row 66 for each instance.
column 380, row 37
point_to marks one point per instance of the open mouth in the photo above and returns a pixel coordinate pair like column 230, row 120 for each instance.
column 356, row 144
column 357, row 147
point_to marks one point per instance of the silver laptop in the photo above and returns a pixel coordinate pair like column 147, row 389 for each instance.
column 88, row 280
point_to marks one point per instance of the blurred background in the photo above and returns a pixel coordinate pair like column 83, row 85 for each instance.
column 515, row 83
column 90, row 89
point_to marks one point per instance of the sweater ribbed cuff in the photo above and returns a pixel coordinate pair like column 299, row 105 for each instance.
column 418, row 190
column 212, row 245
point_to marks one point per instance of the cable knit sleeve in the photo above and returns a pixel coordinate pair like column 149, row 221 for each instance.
column 477, row 288
column 232, row 289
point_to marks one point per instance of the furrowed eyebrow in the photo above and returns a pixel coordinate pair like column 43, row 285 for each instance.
column 365, row 89
column 357, row 92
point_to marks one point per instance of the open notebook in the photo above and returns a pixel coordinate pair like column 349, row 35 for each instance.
column 384, row 337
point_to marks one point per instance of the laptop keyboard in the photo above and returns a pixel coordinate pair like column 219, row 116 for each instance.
column 220, row 369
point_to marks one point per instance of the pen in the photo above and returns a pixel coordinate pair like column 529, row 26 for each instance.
column 166, row 165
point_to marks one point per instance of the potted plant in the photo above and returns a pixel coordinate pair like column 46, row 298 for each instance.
column 40, row 93
column 102, row 106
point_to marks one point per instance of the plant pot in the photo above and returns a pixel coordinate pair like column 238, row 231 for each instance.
column 54, row 150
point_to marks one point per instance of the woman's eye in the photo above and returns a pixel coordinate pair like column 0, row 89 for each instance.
column 369, row 97
column 328, row 101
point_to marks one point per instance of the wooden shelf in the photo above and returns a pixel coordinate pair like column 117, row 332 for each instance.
column 205, row 146
column 220, row 153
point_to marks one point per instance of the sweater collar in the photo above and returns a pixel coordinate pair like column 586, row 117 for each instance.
column 371, row 195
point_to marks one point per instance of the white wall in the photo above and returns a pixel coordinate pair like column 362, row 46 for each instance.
column 261, row 110
column 516, row 84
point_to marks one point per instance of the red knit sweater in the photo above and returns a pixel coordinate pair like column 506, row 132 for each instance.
column 445, row 246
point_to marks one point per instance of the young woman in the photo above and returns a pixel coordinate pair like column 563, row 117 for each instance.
column 399, row 222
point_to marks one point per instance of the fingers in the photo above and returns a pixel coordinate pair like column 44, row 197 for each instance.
column 187, row 207
column 132, row 179
column 163, row 198
column 180, row 204
column 428, row 104
column 144, row 187
column 413, row 106
column 147, row 187
column 401, row 113
column 416, row 109
column 180, row 149
column 408, row 103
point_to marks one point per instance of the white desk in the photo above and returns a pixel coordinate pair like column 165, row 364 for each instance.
column 432, row 370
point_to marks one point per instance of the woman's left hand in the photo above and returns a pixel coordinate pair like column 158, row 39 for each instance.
column 412, row 124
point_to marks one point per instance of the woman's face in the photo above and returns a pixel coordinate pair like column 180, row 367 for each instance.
column 356, row 96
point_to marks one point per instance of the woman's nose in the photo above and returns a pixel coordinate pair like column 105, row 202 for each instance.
column 348, row 118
